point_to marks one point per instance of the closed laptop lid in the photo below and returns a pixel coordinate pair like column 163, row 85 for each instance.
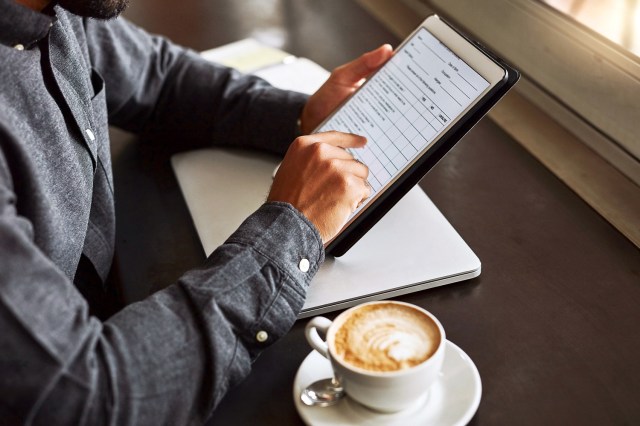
column 412, row 248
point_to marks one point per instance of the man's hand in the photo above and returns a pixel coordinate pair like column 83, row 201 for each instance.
column 342, row 82
column 317, row 176
column 322, row 180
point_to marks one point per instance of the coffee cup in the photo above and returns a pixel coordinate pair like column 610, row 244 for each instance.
column 386, row 354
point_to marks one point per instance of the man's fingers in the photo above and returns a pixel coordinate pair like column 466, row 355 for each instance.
column 339, row 139
column 354, row 71
column 360, row 169
column 366, row 193
column 360, row 187
column 355, row 167
column 336, row 152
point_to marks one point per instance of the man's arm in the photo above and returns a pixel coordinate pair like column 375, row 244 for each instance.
column 170, row 93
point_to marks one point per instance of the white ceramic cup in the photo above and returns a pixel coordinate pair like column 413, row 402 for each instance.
column 388, row 391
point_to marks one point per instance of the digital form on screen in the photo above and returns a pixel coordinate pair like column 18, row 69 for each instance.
column 403, row 108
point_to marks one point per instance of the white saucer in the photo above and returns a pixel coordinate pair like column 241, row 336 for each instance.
column 453, row 399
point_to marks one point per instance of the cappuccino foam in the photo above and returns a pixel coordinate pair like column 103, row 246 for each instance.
column 386, row 337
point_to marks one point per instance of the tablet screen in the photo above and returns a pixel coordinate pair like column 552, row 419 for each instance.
column 405, row 106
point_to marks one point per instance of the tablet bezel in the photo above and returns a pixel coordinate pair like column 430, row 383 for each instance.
column 493, row 70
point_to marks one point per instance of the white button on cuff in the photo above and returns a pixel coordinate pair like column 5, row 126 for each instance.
column 262, row 336
column 90, row 134
column 19, row 46
column 304, row 265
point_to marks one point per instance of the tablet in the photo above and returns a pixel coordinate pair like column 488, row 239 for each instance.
column 433, row 90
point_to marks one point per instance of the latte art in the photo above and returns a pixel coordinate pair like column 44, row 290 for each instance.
column 386, row 337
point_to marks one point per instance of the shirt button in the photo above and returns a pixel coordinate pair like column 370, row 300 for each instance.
column 304, row 265
column 19, row 46
column 90, row 134
column 262, row 336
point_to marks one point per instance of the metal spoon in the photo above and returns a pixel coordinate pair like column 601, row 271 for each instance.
column 323, row 393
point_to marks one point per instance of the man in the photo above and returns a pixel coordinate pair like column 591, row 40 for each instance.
column 170, row 358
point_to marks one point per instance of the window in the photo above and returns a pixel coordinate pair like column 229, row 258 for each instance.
column 616, row 20
column 576, row 77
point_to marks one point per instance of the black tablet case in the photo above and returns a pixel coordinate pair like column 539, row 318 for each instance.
column 349, row 236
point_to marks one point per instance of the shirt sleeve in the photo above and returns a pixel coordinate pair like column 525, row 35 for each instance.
column 169, row 93
column 166, row 360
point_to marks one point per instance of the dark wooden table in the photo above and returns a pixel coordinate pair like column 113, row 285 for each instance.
column 553, row 321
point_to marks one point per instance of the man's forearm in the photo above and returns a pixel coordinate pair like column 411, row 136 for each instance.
column 168, row 359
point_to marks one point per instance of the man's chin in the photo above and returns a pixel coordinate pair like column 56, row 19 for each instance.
column 98, row 9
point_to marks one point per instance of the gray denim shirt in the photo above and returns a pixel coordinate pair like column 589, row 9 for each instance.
column 170, row 358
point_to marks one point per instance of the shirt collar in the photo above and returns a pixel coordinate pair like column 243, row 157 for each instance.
column 21, row 27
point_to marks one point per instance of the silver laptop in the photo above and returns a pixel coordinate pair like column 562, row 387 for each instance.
column 412, row 248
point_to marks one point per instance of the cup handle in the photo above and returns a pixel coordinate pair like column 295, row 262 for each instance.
column 321, row 324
